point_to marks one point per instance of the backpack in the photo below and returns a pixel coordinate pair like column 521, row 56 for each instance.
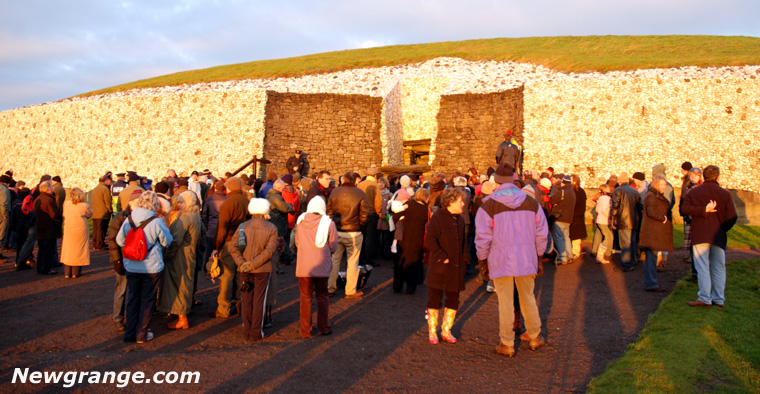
column 136, row 245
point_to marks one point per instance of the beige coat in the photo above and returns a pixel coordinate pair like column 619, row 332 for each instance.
column 76, row 234
column 180, row 260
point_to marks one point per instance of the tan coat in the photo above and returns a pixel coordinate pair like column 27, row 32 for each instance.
column 180, row 261
column 374, row 196
column 102, row 203
column 75, row 249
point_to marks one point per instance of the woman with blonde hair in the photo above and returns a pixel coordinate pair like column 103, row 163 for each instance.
column 75, row 250
column 179, row 275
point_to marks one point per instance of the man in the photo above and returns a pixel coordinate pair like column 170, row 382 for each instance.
column 5, row 211
column 642, row 186
column 626, row 220
column 295, row 163
column 231, row 213
column 320, row 188
column 116, row 188
column 134, row 184
column 562, row 200
column 508, row 152
column 58, row 191
column 164, row 201
column 102, row 209
column 117, row 260
column 210, row 216
column 348, row 208
column 713, row 214
column 278, row 215
column 375, row 199
column 271, row 177
column 194, row 185
column 49, row 218
column 512, row 235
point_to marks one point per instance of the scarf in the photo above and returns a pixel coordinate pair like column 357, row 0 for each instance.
column 317, row 206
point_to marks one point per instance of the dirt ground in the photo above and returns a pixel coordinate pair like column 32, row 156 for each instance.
column 590, row 314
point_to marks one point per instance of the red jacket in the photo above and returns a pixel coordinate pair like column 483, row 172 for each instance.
column 291, row 197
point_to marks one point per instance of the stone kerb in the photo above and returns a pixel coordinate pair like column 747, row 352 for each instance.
column 81, row 140
column 595, row 127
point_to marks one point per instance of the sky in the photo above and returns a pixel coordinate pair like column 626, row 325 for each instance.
column 51, row 50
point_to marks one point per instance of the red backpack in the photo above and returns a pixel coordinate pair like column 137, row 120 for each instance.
column 136, row 245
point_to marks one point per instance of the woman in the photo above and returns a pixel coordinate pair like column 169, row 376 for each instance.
column 578, row 226
column 75, row 250
column 179, row 276
column 407, row 262
column 316, row 240
column 694, row 179
column 252, row 248
column 383, row 225
column 656, row 231
column 448, row 262
column 603, row 233
column 143, row 276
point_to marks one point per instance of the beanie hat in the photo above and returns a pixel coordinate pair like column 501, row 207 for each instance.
column 234, row 183
column 271, row 176
column 546, row 183
column 288, row 178
column 567, row 179
column 529, row 191
column 504, row 173
column 219, row 186
column 5, row 179
column 639, row 176
column 686, row 166
column 258, row 206
column 405, row 181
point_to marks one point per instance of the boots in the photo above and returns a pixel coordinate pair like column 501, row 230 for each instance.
column 432, row 318
column 180, row 324
column 448, row 322
column 268, row 317
column 518, row 322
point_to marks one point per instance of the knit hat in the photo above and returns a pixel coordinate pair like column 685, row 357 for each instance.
column 529, row 191
column 487, row 188
column 405, row 181
column 234, row 183
column 508, row 132
column 219, row 186
column 546, row 183
column 504, row 174
column 287, row 178
column 639, row 176
column 567, row 179
column 686, row 166
column 135, row 194
column 5, row 179
column 659, row 169
column 695, row 170
column 258, row 206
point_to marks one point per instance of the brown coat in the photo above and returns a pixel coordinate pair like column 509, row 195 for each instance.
column 655, row 234
column 445, row 240
column 102, row 203
column 75, row 249
column 261, row 244
column 372, row 190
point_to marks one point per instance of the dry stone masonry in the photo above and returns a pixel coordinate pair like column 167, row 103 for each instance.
column 592, row 124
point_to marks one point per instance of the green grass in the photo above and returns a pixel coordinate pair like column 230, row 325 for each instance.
column 566, row 53
column 686, row 349
column 740, row 236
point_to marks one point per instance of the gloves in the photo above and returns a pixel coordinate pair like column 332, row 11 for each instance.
column 246, row 267
column 483, row 267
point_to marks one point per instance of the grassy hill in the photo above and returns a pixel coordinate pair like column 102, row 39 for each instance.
column 567, row 53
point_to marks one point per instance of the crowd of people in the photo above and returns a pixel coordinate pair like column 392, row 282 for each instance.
column 501, row 226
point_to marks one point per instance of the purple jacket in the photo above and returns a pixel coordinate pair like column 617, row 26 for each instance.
column 314, row 262
column 511, row 230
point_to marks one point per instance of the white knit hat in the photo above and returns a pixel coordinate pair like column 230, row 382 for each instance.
column 258, row 206
column 545, row 182
column 405, row 181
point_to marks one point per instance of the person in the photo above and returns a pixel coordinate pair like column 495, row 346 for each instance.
column 578, row 225
column 134, row 184
column 21, row 219
column 117, row 260
column 102, row 210
column 176, row 295
column 320, row 188
column 656, row 231
column 48, row 218
column 291, row 197
column 232, row 213
column 316, row 240
column 278, row 212
column 210, row 216
column 508, row 152
column 164, row 201
column 685, row 180
column 58, row 191
column 713, row 214
column 194, row 185
column 252, row 246
column 642, row 186
column 603, row 234
column 5, row 210
column 75, row 250
column 375, row 199
column 448, row 262
column 116, row 188
column 348, row 208
column 264, row 190
column 295, row 163
column 626, row 221
column 695, row 179
column 143, row 276
column 383, row 225
column 407, row 265
column 512, row 234
column 562, row 199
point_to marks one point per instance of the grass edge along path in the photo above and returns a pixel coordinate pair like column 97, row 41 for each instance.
column 685, row 349
column 563, row 53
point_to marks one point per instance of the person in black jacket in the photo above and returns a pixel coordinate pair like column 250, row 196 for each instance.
column 295, row 163
column 21, row 220
column 49, row 219
column 562, row 199
column 320, row 188
column 713, row 214
column 407, row 263
column 348, row 208
column 626, row 220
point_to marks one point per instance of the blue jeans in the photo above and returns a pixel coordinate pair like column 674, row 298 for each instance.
column 710, row 259
column 561, row 234
column 650, row 269
column 141, row 303
column 628, row 240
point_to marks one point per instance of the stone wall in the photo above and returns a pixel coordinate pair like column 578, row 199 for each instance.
column 471, row 127
column 595, row 127
column 392, row 134
column 82, row 140
column 339, row 132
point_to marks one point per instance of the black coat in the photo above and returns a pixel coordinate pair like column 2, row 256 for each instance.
column 710, row 227
column 410, row 251
column 317, row 190
column 49, row 217
column 655, row 234
column 445, row 240
column 578, row 226
column 626, row 207
column 563, row 202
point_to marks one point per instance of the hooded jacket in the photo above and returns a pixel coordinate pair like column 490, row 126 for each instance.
column 511, row 232
column 156, row 234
